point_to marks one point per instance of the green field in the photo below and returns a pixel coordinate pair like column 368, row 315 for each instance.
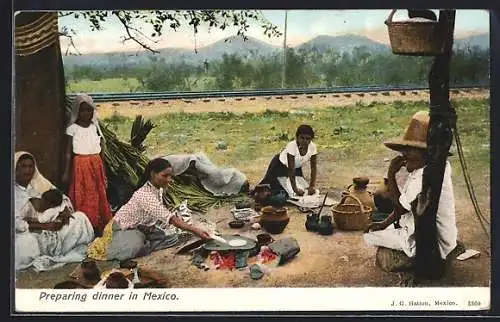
column 128, row 85
column 119, row 85
column 349, row 139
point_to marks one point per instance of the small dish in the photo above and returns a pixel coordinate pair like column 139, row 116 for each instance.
column 236, row 224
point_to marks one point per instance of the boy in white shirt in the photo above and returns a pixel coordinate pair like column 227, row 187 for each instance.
column 413, row 149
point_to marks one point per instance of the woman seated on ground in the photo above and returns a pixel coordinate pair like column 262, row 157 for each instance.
column 284, row 173
column 142, row 225
column 51, row 243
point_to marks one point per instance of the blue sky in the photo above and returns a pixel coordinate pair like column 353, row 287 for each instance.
column 302, row 25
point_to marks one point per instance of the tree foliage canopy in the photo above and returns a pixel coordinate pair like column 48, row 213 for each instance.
column 304, row 68
column 160, row 20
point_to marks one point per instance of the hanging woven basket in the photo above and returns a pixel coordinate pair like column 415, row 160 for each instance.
column 415, row 37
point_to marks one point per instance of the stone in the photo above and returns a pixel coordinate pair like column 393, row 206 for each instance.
column 221, row 145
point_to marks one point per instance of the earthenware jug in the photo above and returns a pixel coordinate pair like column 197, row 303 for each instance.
column 382, row 198
column 358, row 190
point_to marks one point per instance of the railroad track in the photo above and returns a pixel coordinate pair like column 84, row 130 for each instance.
column 151, row 96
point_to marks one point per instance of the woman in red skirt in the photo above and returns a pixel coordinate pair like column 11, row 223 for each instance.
column 84, row 164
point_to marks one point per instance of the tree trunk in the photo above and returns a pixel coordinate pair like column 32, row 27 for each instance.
column 39, row 93
column 439, row 138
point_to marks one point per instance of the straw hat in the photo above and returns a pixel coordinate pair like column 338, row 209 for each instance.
column 415, row 135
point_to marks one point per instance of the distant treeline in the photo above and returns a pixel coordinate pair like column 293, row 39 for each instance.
column 304, row 68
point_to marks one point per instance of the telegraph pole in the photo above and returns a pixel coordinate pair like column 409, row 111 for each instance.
column 283, row 76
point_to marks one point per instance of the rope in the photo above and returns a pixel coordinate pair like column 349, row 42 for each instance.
column 468, row 181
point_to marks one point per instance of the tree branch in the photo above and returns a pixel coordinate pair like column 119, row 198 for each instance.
column 65, row 33
column 64, row 14
column 128, row 30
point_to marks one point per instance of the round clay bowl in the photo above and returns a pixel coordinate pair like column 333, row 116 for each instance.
column 274, row 227
column 236, row 224
column 129, row 264
column 264, row 239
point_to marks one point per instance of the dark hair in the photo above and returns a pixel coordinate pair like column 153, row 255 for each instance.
column 116, row 280
column 155, row 165
column 305, row 129
column 25, row 156
column 53, row 196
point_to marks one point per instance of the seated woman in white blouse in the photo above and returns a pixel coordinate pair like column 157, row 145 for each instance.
column 137, row 228
column 284, row 172
column 50, row 242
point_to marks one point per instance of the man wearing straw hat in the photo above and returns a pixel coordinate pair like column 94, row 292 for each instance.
column 413, row 155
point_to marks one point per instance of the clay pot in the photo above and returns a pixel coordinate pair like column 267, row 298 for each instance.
column 128, row 263
column 260, row 193
column 361, row 181
column 264, row 240
column 274, row 220
column 382, row 198
column 358, row 189
column 281, row 212
column 90, row 270
column 268, row 210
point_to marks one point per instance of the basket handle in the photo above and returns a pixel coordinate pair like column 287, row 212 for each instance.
column 361, row 207
column 389, row 19
column 346, row 189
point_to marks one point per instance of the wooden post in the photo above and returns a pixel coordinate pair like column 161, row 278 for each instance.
column 429, row 264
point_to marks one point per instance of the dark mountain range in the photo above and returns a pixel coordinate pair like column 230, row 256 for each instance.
column 482, row 41
column 342, row 43
column 250, row 48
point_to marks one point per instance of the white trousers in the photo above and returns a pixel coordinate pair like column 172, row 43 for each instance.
column 392, row 238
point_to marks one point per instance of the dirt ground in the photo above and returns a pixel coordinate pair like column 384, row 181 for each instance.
column 341, row 259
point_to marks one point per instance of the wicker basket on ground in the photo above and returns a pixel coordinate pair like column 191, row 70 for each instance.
column 415, row 37
column 351, row 216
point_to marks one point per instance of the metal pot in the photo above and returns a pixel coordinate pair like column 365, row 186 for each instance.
column 312, row 222
column 325, row 226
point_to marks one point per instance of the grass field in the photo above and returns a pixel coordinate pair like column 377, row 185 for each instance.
column 128, row 85
column 351, row 136
column 119, row 85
